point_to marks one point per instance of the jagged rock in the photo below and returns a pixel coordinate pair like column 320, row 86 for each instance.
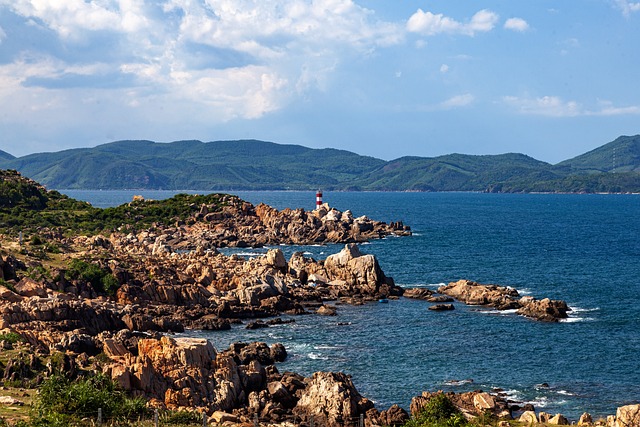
column 484, row 401
column 628, row 416
column 545, row 310
column 558, row 419
column 327, row 310
column 418, row 293
column 585, row 419
column 528, row 417
column 393, row 417
column 503, row 298
column 28, row 287
column 442, row 307
column 331, row 399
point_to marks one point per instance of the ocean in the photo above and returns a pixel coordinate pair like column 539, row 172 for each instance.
column 584, row 249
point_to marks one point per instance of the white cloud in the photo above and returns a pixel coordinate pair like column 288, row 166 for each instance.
column 627, row 7
column 553, row 106
column 458, row 101
column 69, row 17
column 3, row 35
column 234, row 58
column 428, row 23
column 516, row 24
column 444, row 68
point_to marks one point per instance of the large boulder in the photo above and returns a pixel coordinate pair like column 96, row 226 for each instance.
column 628, row 416
column 361, row 273
column 331, row 399
column 546, row 310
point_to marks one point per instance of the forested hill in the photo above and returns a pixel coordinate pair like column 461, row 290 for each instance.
column 260, row 165
column 5, row 156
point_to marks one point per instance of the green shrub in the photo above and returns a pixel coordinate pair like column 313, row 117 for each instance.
column 180, row 417
column 438, row 412
column 62, row 402
column 101, row 280
column 7, row 285
column 11, row 337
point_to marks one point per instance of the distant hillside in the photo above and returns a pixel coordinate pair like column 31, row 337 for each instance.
column 454, row 172
column 260, row 165
column 230, row 165
column 5, row 156
column 621, row 155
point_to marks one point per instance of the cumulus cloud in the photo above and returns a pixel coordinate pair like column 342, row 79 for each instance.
column 444, row 68
column 69, row 17
column 553, row 106
column 627, row 7
column 516, row 24
column 428, row 23
column 234, row 58
column 458, row 101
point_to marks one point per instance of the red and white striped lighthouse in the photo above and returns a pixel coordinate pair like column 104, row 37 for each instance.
column 318, row 199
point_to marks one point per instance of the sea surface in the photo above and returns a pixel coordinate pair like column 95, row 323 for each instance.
column 584, row 249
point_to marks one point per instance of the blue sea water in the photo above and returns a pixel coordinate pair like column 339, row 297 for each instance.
column 584, row 249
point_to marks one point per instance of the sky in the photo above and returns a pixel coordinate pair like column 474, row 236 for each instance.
column 550, row 79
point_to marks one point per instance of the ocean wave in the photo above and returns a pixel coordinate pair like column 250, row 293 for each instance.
column 575, row 319
column 458, row 382
column 583, row 310
column 524, row 291
column 317, row 356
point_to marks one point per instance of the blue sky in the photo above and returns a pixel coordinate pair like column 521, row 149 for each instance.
column 551, row 79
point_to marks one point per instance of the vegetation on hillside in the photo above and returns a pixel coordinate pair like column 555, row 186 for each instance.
column 260, row 165
column 26, row 206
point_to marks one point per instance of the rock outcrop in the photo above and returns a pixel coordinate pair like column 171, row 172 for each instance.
column 506, row 298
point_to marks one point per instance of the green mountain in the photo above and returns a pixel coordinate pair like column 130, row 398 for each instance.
column 454, row 172
column 230, row 165
column 5, row 156
column 260, row 165
column 621, row 155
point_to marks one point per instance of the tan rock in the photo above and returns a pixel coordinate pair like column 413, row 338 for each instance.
column 559, row 419
column 331, row 399
column 585, row 419
column 628, row 416
column 528, row 417
column 484, row 401
column 224, row 417
column 9, row 400
column 28, row 287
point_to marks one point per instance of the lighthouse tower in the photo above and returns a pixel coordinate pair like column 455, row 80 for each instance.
column 318, row 199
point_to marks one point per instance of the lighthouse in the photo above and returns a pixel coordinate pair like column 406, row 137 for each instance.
column 318, row 199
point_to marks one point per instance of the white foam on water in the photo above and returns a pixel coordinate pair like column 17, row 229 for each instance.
column 524, row 291
column 458, row 382
column 317, row 356
column 583, row 310
column 326, row 347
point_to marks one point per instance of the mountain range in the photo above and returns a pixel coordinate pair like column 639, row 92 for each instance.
column 260, row 165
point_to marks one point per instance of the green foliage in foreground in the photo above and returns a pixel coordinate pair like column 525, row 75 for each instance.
column 28, row 207
column 62, row 402
column 101, row 280
column 438, row 412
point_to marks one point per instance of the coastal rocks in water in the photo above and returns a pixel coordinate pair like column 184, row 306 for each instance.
column 473, row 293
column 358, row 273
column 545, row 310
column 442, row 307
column 585, row 419
column 471, row 404
column 327, row 310
column 506, row 298
column 331, row 399
column 418, row 293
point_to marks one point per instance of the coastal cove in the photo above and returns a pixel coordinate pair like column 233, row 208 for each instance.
column 583, row 249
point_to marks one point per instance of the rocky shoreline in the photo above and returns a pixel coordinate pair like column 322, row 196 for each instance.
column 166, row 279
